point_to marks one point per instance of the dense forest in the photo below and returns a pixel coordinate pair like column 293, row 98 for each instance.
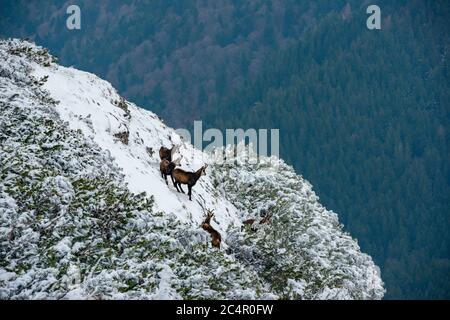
column 363, row 114
column 168, row 55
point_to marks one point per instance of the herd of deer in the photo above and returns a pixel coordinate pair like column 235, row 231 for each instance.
column 168, row 167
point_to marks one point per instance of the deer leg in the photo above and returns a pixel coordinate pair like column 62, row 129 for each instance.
column 175, row 184
column 179, row 184
column 173, row 181
column 165, row 178
column 190, row 192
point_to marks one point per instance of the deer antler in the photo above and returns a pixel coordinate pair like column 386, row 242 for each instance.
column 266, row 218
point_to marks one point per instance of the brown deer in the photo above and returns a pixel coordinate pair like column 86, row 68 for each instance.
column 249, row 222
column 266, row 216
column 190, row 178
column 166, row 153
column 166, row 168
column 216, row 239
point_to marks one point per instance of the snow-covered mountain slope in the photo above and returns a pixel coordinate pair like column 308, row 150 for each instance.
column 75, row 160
column 305, row 241
column 92, row 105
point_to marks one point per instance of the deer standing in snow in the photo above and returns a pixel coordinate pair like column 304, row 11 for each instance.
column 216, row 239
column 265, row 219
column 190, row 178
column 166, row 168
column 166, row 153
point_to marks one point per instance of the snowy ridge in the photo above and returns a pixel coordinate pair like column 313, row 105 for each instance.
column 74, row 222
column 87, row 102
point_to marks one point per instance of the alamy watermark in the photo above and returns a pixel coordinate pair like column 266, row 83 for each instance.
column 73, row 21
column 236, row 145
column 374, row 20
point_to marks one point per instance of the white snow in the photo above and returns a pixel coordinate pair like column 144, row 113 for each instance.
column 164, row 290
column 87, row 103
column 62, row 250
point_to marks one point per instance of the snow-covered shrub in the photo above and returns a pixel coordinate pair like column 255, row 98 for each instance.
column 303, row 253
column 69, row 226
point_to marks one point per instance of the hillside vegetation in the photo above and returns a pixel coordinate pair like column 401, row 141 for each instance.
column 71, row 228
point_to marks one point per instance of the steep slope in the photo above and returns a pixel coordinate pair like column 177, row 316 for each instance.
column 304, row 248
column 69, row 226
column 84, row 212
column 93, row 106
